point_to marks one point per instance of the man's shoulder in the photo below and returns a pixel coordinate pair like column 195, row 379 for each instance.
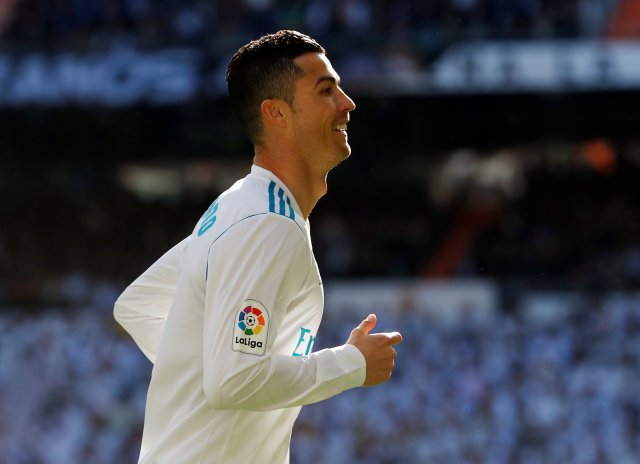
column 254, row 196
column 252, row 204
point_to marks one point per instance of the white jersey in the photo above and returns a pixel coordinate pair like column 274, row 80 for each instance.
column 229, row 317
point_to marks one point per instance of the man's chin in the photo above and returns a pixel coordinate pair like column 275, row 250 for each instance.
column 346, row 152
column 342, row 155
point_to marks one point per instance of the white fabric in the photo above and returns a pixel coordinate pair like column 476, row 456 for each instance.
column 212, row 399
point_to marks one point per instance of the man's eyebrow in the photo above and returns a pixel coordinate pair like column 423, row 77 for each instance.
column 332, row 79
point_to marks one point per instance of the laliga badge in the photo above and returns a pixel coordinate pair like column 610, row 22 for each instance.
column 251, row 327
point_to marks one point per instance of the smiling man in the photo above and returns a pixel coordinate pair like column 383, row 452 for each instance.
column 229, row 315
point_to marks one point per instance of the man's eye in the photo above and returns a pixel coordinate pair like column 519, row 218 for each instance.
column 327, row 90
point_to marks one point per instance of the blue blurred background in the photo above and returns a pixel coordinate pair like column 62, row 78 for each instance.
column 489, row 212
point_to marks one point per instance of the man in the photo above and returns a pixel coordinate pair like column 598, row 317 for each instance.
column 229, row 315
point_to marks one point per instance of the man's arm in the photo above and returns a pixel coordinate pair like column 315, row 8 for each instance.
column 143, row 307
column 271, row 268
column 285, row 381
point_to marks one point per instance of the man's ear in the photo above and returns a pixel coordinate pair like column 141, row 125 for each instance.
column 274, row 112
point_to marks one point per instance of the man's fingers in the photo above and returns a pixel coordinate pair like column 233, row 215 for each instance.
column 368, row 324
column 394, row 337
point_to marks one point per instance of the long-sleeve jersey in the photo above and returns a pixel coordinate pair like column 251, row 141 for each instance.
column 229, row 317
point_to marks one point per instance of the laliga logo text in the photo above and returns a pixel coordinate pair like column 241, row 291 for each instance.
column 248, row 342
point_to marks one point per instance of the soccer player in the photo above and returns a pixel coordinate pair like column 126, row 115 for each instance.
column 229, row 315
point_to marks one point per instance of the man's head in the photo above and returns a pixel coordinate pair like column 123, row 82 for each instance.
column 265, row 69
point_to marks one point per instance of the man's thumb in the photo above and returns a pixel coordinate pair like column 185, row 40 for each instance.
column 368, row 324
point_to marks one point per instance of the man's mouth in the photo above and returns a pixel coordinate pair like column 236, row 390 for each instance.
column 341, row 127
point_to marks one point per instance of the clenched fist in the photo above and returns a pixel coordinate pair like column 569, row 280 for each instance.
column 377, row 350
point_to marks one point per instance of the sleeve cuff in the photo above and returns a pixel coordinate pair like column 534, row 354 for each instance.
column 345, row 363
column 353, row 357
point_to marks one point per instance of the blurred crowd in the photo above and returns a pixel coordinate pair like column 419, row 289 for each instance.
column 404, row 22
column 73, row 391
column 511, row 388
column 508, row 387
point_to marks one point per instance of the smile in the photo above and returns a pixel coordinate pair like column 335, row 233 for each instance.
column 342, row 128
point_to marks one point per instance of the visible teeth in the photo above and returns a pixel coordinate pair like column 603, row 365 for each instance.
column 341, row 127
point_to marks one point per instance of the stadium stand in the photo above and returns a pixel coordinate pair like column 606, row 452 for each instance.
column 501, row 389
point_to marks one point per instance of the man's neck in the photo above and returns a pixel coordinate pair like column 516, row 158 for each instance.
column 306, row 186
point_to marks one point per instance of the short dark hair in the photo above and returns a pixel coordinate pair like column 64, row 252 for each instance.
column 262, row 69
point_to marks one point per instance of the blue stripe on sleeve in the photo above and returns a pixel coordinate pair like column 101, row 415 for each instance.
column 272, row 198
column 280, row 194
column 292, row 215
